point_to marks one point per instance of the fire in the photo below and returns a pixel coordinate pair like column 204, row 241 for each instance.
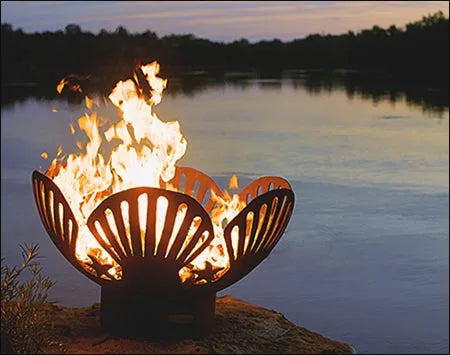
column 65, row 82
column 213, row 262
column 144, row 152
column 234, row 184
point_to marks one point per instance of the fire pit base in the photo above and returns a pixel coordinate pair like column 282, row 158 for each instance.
column 126, row 311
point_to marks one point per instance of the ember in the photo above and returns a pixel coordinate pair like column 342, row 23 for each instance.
column 161, row 240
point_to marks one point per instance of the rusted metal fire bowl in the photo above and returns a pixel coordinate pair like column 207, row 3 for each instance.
column 150, row 297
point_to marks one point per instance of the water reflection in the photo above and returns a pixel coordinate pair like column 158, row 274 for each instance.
column 374, row 87
column 260, row 126
column 377, row 88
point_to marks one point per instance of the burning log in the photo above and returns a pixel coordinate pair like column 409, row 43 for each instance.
column 142, row 84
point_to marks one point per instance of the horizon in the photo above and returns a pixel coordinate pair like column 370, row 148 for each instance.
column 218, row 21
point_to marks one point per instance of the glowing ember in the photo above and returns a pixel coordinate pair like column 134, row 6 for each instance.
column 144, row 152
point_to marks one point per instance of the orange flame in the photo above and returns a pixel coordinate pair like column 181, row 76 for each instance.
column 146, row 155
column 72, row 86
column 234, row 184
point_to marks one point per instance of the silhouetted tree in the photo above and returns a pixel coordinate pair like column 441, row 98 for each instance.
column 73, row 29
column 122, row 31
column 419, row 50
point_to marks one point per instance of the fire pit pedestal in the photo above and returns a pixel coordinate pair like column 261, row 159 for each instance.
column 142, row 311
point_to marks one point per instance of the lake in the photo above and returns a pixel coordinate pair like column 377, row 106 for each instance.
column 365, row 258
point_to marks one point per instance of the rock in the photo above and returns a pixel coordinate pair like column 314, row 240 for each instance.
column 240, row 328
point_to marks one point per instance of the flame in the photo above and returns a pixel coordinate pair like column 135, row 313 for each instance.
column 60, row 86
column 73, row 82
column 91, row 102
column 213, row 262
column 145, row 152
column 65, row 82
column 234, row 184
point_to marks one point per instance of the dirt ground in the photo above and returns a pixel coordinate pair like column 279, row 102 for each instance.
column 240, row 328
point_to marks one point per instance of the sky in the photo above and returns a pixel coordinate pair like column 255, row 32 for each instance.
column 218, row 20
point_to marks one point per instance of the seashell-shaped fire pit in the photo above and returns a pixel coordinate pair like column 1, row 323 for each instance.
column 150, row 297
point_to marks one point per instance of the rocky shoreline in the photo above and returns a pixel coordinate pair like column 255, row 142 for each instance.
column 240, row 328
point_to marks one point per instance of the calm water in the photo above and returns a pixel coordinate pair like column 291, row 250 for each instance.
column 365, row 258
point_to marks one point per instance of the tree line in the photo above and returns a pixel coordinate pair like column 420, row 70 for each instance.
column 420, row 50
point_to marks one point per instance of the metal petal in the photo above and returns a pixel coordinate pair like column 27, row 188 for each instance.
column 59, row 221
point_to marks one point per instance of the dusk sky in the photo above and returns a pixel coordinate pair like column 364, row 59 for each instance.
column 224, row 21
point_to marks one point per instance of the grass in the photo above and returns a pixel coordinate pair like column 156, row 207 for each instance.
column 24, row 291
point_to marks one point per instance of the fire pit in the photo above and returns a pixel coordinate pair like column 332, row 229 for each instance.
column 160, row 240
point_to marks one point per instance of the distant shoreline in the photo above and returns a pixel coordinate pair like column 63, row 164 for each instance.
column 420, row 50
